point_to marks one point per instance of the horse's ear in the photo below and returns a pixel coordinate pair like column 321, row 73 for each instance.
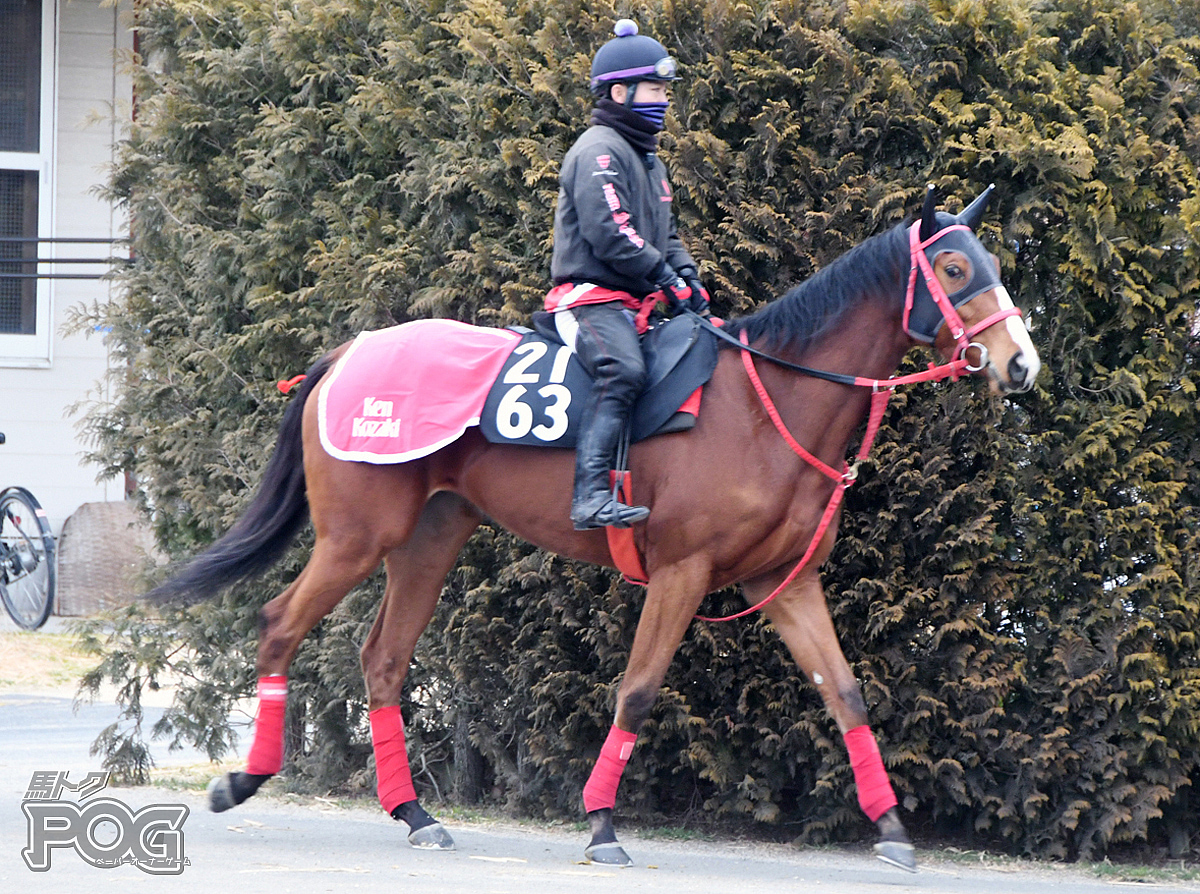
column 929, row 224
column 972, row 215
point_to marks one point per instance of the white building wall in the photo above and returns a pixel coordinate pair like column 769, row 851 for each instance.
column 44, row 447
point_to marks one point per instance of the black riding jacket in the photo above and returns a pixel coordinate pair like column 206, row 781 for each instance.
column 614, row 226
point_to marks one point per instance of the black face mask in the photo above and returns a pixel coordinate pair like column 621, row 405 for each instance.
column 641, row 133
column 926, row 317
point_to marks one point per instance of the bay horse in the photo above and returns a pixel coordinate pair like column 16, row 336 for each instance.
column 779, row 431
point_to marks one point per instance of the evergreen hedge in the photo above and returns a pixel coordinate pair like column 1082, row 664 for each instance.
column 1016, row 583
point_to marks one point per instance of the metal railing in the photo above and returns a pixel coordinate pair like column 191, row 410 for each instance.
column 38, row 262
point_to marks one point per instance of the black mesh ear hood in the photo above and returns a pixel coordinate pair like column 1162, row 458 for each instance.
column 925, row 318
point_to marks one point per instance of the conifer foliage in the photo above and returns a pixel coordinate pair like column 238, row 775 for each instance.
column 1017, row 582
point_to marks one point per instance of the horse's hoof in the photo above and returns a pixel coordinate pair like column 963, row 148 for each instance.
column 220, row 794
column 897, row 853
column 608, row 854
column 433, row 837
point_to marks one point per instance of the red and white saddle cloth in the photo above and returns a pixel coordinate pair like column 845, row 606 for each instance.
column 402, row 393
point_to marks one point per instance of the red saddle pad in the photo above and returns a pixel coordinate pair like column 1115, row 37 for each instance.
column 402, row 393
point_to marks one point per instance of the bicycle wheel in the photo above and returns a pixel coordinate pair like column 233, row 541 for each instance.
column 27, row 573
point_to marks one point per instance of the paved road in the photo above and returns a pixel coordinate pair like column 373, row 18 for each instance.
column 271, row 845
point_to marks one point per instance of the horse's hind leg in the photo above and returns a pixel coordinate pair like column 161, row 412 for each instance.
column 801, row 616
column 335, row 567
column 416, row 572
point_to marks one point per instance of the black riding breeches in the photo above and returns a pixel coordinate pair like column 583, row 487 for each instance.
column 607, row 345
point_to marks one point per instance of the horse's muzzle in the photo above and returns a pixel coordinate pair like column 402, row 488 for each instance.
column 1022, row 371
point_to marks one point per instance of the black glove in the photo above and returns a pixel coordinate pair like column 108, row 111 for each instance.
column 698, row 302
column 674, row 288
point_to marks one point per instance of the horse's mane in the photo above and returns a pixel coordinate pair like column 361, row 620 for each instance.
column 871, row 269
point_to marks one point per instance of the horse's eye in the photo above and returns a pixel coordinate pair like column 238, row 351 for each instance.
column 954, row 271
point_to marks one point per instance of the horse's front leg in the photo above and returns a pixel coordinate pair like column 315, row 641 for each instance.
column 672, row 597
column 801, row 616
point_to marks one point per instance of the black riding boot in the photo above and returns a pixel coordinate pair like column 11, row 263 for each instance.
column 607, row 346
column 592, row 505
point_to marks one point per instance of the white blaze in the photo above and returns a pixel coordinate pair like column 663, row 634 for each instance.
column 1019, row 334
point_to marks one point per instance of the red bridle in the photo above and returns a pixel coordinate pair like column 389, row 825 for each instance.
column 920, row 262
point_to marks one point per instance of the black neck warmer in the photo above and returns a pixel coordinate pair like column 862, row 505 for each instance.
column 641, row 133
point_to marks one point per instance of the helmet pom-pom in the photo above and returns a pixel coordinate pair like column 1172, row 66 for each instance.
column 625, row 28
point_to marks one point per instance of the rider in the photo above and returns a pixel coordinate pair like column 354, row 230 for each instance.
column 616, row 254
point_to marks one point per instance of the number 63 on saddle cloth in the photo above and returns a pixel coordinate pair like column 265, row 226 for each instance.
column 402, row 393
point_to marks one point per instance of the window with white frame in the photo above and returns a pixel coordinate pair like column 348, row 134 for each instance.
column 26, row 137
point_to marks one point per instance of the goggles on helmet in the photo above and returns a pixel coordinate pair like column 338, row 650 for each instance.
column 665, row 69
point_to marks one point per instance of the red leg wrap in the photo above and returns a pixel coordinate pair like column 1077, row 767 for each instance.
column 875, row 795
column 601, row 788
column 266, row 753
column 391, row 758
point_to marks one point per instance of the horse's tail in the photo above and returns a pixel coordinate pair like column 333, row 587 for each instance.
column 276, row 514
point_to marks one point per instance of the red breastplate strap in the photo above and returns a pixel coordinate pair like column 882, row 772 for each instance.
column 842, row 479
column 882, row 389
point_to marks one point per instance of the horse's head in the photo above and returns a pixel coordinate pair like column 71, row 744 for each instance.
column 956, row 300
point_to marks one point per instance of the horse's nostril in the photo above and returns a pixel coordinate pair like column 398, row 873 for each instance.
column 1018, row 371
